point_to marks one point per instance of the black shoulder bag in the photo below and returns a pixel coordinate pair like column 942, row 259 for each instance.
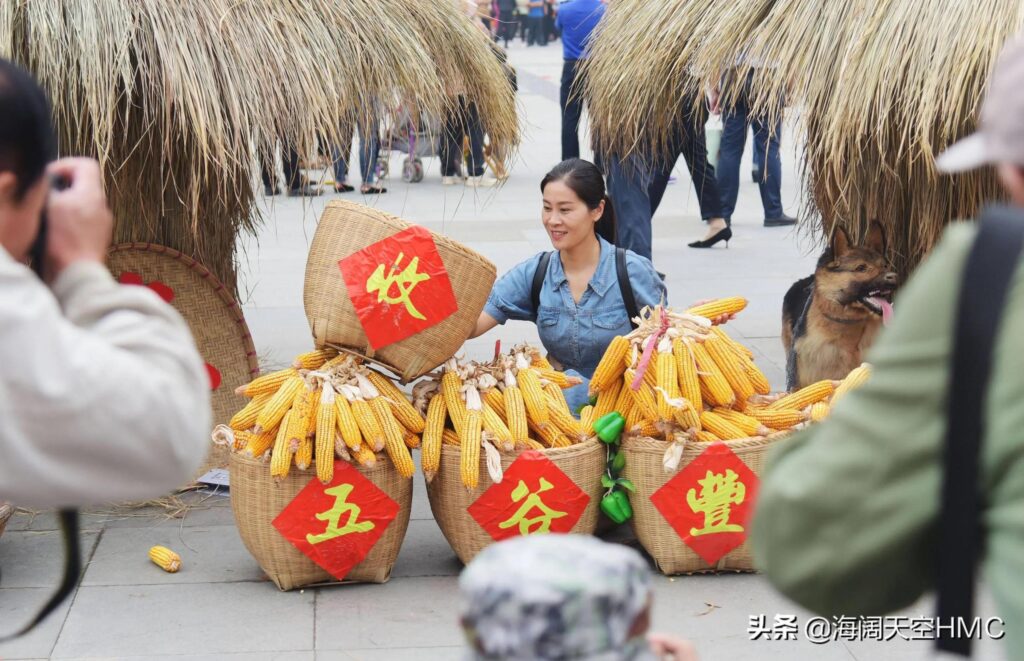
column 992, row 262
column 625, row 287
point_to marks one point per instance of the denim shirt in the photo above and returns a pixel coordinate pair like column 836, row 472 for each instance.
column 576, row 334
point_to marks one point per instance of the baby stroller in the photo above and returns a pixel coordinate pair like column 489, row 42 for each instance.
column 415, row 135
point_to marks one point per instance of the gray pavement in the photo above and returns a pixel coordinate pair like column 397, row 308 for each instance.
column 220, row 606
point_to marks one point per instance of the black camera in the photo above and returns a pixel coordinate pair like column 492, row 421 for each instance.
column 37, row 254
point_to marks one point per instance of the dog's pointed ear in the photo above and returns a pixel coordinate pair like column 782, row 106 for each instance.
column 840, row 242
column 876, row 238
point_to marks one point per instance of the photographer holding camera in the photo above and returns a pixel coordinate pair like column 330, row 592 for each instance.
column 103, row 395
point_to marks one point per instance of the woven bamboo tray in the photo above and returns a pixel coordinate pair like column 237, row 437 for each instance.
column 213, row 315
column 6, row 512
column 346, row 228
column 449, row 498
column 257, row 500
column 645, row 469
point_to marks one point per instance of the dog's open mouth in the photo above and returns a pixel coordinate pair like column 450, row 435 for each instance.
column 879, row 301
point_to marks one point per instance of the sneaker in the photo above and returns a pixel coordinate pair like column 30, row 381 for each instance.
column 481, row 182
column 304, row 191
column 780, row 222
column 449, row 181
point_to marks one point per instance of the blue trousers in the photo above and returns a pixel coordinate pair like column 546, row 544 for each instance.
column 735, row 122
column 629, row 184
column 368, row 152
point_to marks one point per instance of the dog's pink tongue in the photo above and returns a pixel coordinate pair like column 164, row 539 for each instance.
column 886, row 310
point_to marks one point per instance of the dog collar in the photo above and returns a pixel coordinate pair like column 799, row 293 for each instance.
column 842, row 321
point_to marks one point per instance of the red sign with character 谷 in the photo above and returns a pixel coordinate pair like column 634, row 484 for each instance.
column 533, row 497
column 709, row 503
column 398, row 286
column 337, row 524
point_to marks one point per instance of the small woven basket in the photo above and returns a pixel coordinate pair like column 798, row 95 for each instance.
column 645, row 469
column 257, row 500
column 449, row 498
column 346, row 228
column 6, row 512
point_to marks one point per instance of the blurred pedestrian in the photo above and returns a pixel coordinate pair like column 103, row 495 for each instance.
column 293, row 179
column 369, row 153
column 577, row 20
column 535, row 21
column 507, row 21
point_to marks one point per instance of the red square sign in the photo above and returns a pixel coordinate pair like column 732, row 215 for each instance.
column 399, row 286
column 709, row 502
column 339, row 523
column 534, row 497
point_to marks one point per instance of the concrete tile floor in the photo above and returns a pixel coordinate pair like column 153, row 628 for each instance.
column 220, row 606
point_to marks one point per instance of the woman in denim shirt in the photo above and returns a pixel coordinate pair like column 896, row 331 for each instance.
column 581, row 307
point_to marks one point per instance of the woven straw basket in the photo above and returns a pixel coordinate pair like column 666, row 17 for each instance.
column 257, row 500
column 346, row 228
column 213, row 316
column 6, row 512
column 449, row 499
column 644, row 468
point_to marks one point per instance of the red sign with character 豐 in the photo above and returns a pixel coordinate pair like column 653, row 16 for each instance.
column 337, row 524
column 709, row 503
column 398, row 286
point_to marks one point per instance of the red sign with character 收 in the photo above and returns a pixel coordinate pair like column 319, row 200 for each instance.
column 398, row 286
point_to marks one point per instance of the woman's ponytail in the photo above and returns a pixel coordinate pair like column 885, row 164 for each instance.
column 605, row 225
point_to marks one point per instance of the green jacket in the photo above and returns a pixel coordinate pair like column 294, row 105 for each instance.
column 847, row 510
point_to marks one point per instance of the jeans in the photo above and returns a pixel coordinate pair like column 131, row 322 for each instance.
column 463, row 122
column 536, row 27
column 735, row 121
column 689, row 141
column 572, row 108
column 369, row 150
column 629, row 183
column 290, row 166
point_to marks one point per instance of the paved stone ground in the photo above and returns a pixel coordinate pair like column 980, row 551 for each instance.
column 221, row 607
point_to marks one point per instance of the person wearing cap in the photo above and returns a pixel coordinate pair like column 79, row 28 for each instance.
column 848, row 510
column 548, row 597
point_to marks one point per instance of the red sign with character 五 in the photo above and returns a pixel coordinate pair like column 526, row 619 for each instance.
column 398, row 286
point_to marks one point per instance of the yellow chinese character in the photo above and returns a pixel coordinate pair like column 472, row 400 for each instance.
column 405, row 282
column 717, row 494
column 333, row 515
column 532, row 501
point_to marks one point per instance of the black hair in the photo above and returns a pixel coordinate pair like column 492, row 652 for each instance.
column 585, row 179
column 27, row 138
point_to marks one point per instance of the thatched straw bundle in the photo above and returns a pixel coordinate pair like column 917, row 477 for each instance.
column 177, row 98
column 882, row 86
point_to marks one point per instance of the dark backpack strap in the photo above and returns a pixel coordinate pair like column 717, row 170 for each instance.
column 992, row 262
column 625, row 286
column 72, row 570
column 538, row 281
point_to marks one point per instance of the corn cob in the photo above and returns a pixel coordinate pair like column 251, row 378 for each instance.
column 347, row 425
column 450, row 437
column 340, row 449
column 855, row 379
column 412, row 441
column 625, row 398
column 554, row 376
column 165, row 559
column 258, row 444
column 750, row 426
column 400, row 406
column 549, row 436
column 298, row 424
column 533, row 396
column 451, row 387
column 804, row 397
column 686, row 368
column 365, row 456
column 731, row 343
column 334, row 362
column 643, row 399
column 281, row 455
column 717, row 308
column 312, row 360
column 496, row 400
column 394, row 439
column 714, row 386
column 687, row 416
column 246, row 416
column 493, row 424
column 326, row 428
column 368, row 425
column 705, row 436
column 611, row 366
column 757, row 378
column 606, row 399
column 272, row 412
column 515, row 410
column 564, row 421
column 632, row 411
column 819, row 411
column 728, row 364
column 778, row 419
column 539, row 361
column 719, row 426
column 267, row 384
column 646, row 428
column 304, row 454
column 432, row 430
column 470, row 456
column 667, row 380
column 239, row 439
column 554, row 394
column 587, row 419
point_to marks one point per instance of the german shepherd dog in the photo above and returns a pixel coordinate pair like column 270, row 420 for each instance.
column 830, row 319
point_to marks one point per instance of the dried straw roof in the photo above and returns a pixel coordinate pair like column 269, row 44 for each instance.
column 881, row 86
column 177, row 98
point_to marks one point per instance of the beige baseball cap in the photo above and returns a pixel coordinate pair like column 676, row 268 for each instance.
column 1000, row 134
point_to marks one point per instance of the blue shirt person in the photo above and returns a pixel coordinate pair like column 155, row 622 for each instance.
column 577, row 20
column 580, row 306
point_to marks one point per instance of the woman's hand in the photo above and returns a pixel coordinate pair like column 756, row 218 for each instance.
column 720, row 319
column 665, row 646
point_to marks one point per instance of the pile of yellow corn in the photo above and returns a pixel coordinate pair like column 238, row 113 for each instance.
column 855, row 379
column 512, row 404
column 696, row 381
column 325, row 405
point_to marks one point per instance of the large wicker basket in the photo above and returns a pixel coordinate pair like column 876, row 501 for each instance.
column 346, row 228
column 449, row 499
column 257, row 500
column 645, row 469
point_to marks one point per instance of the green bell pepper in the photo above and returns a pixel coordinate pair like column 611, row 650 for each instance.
column 616, row 506
column 609, row 426
column 618, row 462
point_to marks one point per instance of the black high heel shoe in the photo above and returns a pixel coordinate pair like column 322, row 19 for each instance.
column 720, row 235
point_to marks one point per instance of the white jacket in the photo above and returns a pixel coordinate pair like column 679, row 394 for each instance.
column 103, row 396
